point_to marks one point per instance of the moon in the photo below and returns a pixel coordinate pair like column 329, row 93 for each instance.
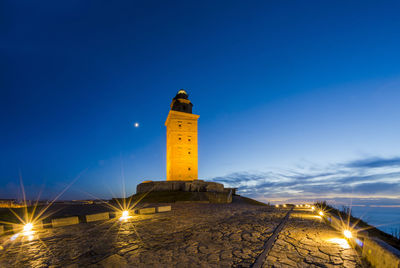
column 136, row 124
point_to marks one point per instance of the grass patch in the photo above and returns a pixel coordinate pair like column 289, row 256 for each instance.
column 251, row 201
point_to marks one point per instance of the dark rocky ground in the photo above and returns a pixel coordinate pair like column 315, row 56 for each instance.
column 191, row 235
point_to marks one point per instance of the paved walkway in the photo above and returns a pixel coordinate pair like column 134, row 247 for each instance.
column 191, row 235
column 306, row 241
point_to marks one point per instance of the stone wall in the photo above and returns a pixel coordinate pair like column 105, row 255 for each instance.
column 185, row 186
column 376, row 252
column 380, row 254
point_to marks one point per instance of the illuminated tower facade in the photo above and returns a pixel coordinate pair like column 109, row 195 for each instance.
column 181, row 126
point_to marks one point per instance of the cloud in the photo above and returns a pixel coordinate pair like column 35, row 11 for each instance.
column 363, row 178
column 375, row 163
column 371, row 188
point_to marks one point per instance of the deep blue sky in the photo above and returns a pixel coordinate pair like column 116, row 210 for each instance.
column 286, row 91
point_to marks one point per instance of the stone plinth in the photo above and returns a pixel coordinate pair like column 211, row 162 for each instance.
column 185, row 186
column 164, row 209
column 98, row 217
column 64, row 221
column 146, row 211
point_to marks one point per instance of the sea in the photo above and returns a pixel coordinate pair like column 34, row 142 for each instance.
column 385, row 218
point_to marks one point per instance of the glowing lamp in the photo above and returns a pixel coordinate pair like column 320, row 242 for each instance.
column 321, row 213
column 312, row 208
column 277, row 206
column 284, row 206
column 347, row 234
column 27, row 231
column 125, row 216
column 28, row 227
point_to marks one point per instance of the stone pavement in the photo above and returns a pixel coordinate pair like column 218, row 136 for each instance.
column 191, row 235
column 306, row 241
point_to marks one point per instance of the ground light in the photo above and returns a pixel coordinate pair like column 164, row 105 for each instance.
column 340, row 241
column 277, row 206
column 125, row 216
column 347, row 234
column 28, row 227
column 27, row 231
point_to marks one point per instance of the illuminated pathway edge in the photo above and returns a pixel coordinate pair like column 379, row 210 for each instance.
column 191, row 235
column 308, row 241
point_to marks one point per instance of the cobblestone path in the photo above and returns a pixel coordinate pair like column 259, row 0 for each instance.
column 306, row 241
column 191, row 235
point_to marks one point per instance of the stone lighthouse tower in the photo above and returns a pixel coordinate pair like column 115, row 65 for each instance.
column 181, row 139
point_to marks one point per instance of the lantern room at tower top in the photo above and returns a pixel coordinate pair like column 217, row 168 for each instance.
column 182, row 153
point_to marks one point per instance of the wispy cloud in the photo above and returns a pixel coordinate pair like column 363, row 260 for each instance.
column 363, row 178
column 375, row 163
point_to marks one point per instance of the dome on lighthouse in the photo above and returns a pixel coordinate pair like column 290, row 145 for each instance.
column 181, row 102
column 182, row 94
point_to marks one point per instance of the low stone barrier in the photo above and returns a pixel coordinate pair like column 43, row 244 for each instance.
column 380, row 254
column 164, row 209
column 146, row 211
column 64, row 221
column 98, row 217
column 375, row 251
column 16, row 228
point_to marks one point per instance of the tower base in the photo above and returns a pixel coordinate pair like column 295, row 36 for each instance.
column 197, row 190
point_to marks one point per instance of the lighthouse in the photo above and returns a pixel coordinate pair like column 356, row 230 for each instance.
column 182, row 154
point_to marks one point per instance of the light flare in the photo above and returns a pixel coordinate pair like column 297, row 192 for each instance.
column 28, row 227
column 125, row 216
column 347, row 234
